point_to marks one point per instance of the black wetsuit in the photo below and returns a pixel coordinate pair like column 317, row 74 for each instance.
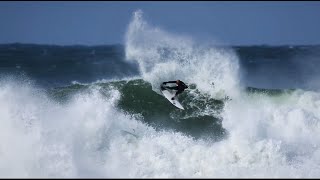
column 180, row 88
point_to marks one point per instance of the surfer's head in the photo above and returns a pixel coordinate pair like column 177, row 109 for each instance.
column 178, row 81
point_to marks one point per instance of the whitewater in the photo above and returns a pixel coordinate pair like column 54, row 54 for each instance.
column 88, row 135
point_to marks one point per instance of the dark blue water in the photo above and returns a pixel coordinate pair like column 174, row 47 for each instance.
column 60, row 65
column 279, row 67
column 274, row 67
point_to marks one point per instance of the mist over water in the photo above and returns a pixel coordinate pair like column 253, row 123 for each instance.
column 121, row 128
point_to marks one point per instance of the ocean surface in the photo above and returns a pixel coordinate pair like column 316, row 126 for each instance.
column 97, row 111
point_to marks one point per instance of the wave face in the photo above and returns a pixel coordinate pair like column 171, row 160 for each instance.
column 118, row 125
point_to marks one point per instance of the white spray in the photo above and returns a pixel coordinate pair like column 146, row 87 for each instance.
column 266, row 137
column 163, row 56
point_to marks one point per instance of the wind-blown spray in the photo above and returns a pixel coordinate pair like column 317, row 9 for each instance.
column 163, row 56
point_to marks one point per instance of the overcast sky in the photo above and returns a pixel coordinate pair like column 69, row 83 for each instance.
column 92, row 23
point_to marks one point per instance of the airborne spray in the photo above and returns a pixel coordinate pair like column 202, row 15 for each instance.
column 163, row 56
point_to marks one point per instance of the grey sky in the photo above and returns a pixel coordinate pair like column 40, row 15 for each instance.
column 106, row 22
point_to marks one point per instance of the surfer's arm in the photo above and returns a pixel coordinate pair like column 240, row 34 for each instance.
column 169, row 82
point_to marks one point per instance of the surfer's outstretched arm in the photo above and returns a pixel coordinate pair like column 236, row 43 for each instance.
column 169, row 82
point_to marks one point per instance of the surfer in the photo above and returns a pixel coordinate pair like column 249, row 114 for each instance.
column 181, row 86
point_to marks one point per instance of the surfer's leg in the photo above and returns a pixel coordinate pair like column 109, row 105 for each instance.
column 178, row 92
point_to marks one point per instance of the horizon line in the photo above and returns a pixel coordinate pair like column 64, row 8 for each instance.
column 117, row 44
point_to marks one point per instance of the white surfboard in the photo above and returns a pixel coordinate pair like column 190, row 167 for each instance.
column 168, row 94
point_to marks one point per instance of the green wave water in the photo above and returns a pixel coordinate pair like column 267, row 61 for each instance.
column 200, row 119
